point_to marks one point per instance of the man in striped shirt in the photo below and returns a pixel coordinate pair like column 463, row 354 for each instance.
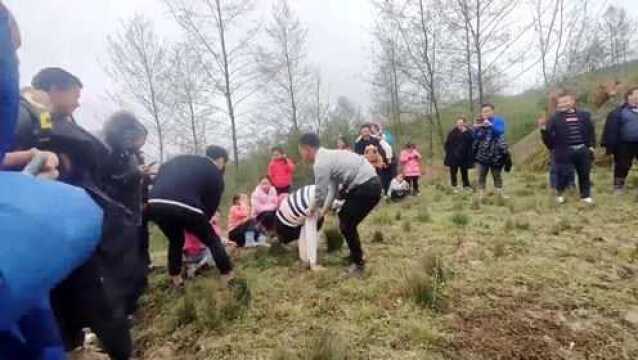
column 571, row 138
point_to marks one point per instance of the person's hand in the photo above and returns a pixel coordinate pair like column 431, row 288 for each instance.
column 50, row 167
column 149, row 170
column 542, row 123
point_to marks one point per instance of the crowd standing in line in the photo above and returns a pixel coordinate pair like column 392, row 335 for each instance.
column 98, row 286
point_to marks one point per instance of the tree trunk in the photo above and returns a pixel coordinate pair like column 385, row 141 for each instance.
column 468, row 59
column 191, row 110
column 479, row 54
column 227, row 90
column 291, row 91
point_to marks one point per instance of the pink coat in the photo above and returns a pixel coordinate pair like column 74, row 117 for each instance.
column 192, row 245
column 264, row 201
column 410, row 160
column 237, row 215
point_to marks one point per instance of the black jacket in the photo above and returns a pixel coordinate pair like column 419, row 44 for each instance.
column 190, row 180
column 458, row 149
column 555, row 136
column 611, row 133
column 361, row 145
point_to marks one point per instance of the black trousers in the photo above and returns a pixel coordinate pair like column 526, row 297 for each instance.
column 623, row 160
column 359, row 202
column 497, row 175
column 287, row 234
column 82, row 301
column 173, row 221
column 238, row 234
column 397, row 195
column 465, row 178
column 579, row 159
column 414, row 183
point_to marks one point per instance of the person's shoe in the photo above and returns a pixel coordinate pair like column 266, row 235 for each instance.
column 468, row 189
column 317, row 268
column 619, row 191
column 456, row 190
column 588, row 200
column 227, row 279
column 560, row 200
column 501, row 193
column 355, row 271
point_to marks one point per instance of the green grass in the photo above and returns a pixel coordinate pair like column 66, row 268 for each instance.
column 523, row 279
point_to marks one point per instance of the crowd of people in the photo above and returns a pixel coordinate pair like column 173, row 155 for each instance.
column 109, row 196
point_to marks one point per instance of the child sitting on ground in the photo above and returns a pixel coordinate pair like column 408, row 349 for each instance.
column 241, row 226
column 399, row 188
column 196, row 255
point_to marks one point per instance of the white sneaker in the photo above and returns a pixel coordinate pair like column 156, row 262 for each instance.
column 588, row 200
column 560, row 199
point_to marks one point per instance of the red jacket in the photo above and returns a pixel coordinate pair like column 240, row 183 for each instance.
column 281, row 171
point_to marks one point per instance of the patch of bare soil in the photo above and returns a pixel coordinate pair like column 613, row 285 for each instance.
column 517, row 328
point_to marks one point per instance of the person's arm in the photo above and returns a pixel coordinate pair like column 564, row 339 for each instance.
column 332, row 194
column 214, row 193
column 547, row 131
column 611, row 132
column 381, row 150
column 498, row 126
column 591, row 131
column 323, row 184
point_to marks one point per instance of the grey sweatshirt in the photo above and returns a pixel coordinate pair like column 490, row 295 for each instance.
column 334, row 168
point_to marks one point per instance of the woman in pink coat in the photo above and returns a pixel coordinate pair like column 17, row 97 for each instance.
column 410, row 160
column 264, row 198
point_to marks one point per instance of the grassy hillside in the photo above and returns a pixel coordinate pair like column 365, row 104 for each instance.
column 449, row 277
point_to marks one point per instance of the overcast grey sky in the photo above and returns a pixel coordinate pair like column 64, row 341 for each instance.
column 72, row 34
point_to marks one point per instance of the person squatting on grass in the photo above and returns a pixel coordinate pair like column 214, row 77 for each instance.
column 186, row 194
column 242, row 227
column 620, row 137
column 281, row 171
column 291, row 222
column 570, row 136
column 360, row 187
column 410, row 160
column 399, row 188
column 459, row 154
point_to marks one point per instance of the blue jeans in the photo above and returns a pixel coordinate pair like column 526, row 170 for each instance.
column 553, row 174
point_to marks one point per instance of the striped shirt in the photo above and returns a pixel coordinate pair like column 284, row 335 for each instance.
column 574, row 133
column 294, row 210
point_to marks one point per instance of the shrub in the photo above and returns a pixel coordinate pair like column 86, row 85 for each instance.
column 522, row 225
column 476, row 204
column 460, row 219
column 383, row 218
column 499, row 249
column 325, row 346
column 423, row 216
column 425, row 283
column 406, row 226
column 334, row 239
column 397, row 216
column 377, row 237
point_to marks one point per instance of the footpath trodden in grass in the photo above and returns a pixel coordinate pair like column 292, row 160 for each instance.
column 521, row 278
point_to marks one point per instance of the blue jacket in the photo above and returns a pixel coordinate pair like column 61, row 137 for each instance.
column 9, row 85
column 498, row 126
column 48, row 229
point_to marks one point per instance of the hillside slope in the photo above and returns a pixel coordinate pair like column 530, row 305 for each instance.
column 449, row 277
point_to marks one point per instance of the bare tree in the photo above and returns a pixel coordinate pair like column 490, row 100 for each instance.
column 320, row 103
column 618, row 32
column 190, row 100
column 549, row 25
column 217, row 28
column 138, row 65
column 282, row 64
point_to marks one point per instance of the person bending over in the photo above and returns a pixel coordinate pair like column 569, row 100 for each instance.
column 360, row 186
column 185, row 195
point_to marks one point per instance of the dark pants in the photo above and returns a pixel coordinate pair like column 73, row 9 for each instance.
column 454, row 171
column 414, row 183
column 385, row 175
column 397, row 195
column 238, row 234
column 82, row 301
column 283, row 190
column 496, row 174
column 553, row 174
column 173, row 221
column 359, row 202
column 579, row 159
column 623, row 160
column 287, row 234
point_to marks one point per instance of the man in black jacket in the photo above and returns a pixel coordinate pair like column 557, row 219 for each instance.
column 620, row 137
column 185, row 196
column 85, row 298
column 365, row 139
column 571, row 138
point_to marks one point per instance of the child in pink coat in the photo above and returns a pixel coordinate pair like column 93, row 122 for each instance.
column 264, row 198
column 410, row 160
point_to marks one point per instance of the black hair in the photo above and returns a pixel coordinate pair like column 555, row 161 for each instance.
column 236, row 198
column 630, row 92
column 215, row 152
column 48, row 78
column 364, row 126
column 310, row 139
column 122, row 129
column 278, row 149
column 489, row 105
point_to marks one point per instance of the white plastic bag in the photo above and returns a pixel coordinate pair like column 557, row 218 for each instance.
column 308, row 240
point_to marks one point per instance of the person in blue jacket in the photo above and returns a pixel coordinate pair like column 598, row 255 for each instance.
column 497, row 123
column 9, row 81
